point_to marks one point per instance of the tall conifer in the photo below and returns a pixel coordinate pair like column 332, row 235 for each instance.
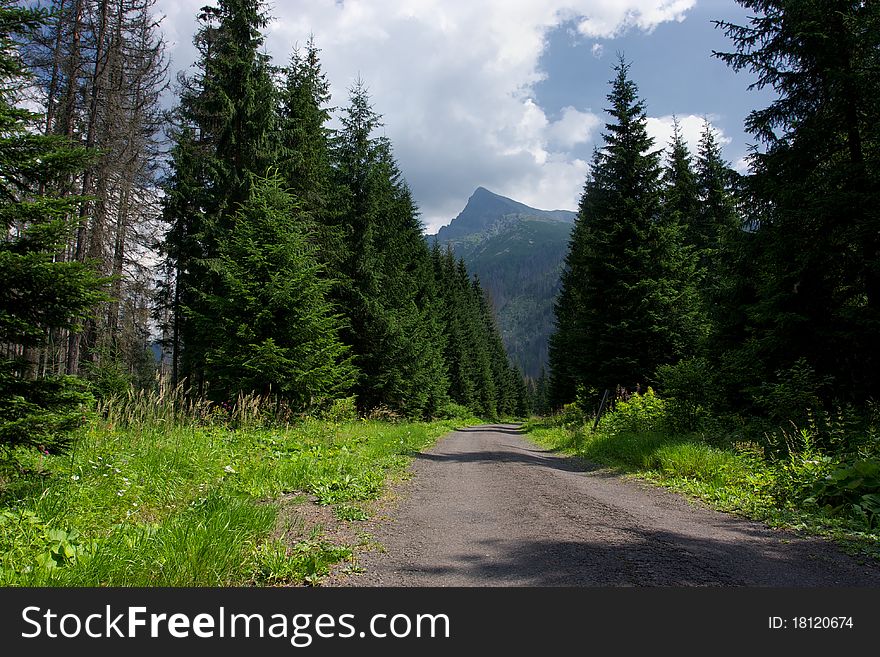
column 224, row 140
column 619, row 314
column 816, row 246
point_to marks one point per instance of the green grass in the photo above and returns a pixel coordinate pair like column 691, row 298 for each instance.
column 153, row 503
column 737, row 479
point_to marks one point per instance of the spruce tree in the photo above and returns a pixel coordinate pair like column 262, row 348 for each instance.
column 681, row 197
column 720, row 240
column 690, row 264
column 622, row 311
column 482, row 376
column 304, row 160
column 41, row 293
column 388, row 290
column 224, row 139
column 458, row 354
column 277, row 331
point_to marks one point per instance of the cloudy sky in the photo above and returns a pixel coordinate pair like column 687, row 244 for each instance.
column 508, row 94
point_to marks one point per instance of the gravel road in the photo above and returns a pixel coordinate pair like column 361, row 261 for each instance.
column 485, row 507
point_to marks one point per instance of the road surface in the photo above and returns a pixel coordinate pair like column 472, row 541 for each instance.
column 484, row 507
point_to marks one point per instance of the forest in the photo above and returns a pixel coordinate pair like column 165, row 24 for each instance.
column 269, row 254
column 227, row 301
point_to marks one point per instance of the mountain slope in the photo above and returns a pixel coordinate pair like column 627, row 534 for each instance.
column 517, row 252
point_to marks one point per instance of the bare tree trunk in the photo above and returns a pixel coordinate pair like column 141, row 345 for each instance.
column 76, row 340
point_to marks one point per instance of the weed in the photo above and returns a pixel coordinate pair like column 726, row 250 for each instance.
column 349, row 512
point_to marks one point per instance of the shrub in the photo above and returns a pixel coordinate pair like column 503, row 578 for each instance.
column 794, row 398
column 341, row 410
column 453, row 411
column 571, row 416
column 639, row 413
column 689, row 390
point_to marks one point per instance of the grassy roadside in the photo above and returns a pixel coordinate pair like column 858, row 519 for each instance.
column 738, row 478
column 195, row 504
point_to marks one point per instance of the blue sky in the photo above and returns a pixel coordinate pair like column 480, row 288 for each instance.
column 673, row 67
column 509, row 94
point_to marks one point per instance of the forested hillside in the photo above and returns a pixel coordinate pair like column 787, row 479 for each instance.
column 517, row 253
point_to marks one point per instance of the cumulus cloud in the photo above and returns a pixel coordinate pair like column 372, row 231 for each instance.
column 660, row 128
column 454, row 83
column 572, row 128
column 608, row 18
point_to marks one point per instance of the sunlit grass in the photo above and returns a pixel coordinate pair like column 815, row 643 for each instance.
column 736, row 479
column 160, row 499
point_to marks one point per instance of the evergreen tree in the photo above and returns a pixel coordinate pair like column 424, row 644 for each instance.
column 541, row 395
column 224, row 139
column 717, row 217
column 40, row 293
column 458, row 354
column 277, row 332
column 816, row 246
column 690, row 264
column 681, row 202
column 523, row 397
column 388, row 289
column 486, row 392
column 622, row 311
column 721, row 242
column 304, row 162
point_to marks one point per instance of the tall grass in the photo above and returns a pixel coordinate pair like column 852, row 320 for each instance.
column 163, row 491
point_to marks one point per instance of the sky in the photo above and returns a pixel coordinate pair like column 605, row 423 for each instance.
column 509, row 94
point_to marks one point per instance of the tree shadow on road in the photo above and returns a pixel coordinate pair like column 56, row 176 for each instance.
column 513, row 429
column 524, row 457
column 652, row 559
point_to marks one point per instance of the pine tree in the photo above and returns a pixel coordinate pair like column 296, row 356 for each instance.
column 40, row 292
column 622, row 311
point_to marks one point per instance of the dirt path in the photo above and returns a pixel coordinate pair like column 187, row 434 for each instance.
column 487, row 508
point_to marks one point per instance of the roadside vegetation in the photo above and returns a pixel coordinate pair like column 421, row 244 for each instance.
column 155, row 492
column 821, row 477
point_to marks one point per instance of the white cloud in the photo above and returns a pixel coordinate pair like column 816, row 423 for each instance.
column 743, row 165
column 572, row 128
column 598, row 50
column 607, row 18
column 660, row 128
column 454, row 81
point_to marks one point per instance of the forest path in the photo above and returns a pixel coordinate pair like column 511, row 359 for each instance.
column 484, row 507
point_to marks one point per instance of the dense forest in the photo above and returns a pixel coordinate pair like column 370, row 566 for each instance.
column 750, row 295
column 273, row 255
column 266, row 253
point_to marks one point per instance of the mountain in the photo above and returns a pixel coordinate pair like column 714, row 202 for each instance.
column 486, row 212
column 517, row 252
